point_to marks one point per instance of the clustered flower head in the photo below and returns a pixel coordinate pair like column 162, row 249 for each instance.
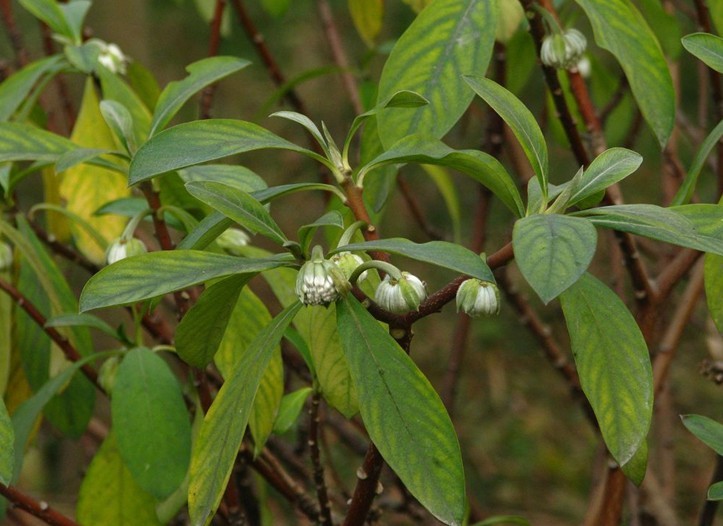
column 563, row 50
column 112, row 58
column 400, row 295
column 476, row 297
column 348, row 263
column 123, row 248
column 320, row 281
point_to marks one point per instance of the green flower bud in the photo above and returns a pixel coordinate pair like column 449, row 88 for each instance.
column 232, row 239
column 6, row 256
column 563, row 50
column 320, row 281
column 123, row 248
column 400, row 295
column 347, row 263
column 478, row 298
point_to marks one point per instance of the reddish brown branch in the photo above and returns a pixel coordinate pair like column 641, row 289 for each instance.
column 366, row 487
column 319, row 482
column 61, row 341
column 14, row 34
column 39, row 509
column 213, row 46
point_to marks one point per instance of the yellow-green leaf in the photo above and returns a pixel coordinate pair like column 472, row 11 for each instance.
column 85, row 187
column 367, row 17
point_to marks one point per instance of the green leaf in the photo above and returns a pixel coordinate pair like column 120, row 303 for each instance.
column 503, row 519
column 608, row 168
column 685, row 192
column 276, row 7
column 613, row 362
column 119, row 119
column 24, row 142
column 238, row 176
column 636, row 467
column 7, row 445
column 49, row 12
column 713, row 278
column 269, row 194
column 480, row 166
column 290, row 409
column 151, row 422
column 706, row 430
column 708, row 48
column 440, row 253
column 15, row 89
column 82, row 320
column 218, row 442
column 307, row 123
column 27, row 413
column 552, row 251
column 317, row 327
column 621, row 29
column 200, row 141
column 110, row 496
column 74, row 13
column 715, row 492
column 448, row 39
column 445, row 186
column 201, row 330
column 114, row 88
column 403, row 414
column 201, row 74
column 306, row 232
column 239, row 206
column 149, row 275
column 519, row 119
column 663, row 224
column 267, row 402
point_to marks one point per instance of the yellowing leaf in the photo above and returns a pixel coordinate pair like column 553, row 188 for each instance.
column 367, row 18
column 57, row 223
column 86, row 188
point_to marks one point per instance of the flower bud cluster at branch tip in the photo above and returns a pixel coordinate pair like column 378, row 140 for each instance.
column 112, row 58
column 232, row 240
column 320, row 281
column 123, row 248
column 348, row 263
column 400, row 295
column 478, row 298
column 6, row 256
column 563, row 50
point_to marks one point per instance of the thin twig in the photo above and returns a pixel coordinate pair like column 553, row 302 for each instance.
column 61, row 341
column 39, row 509
column 213, row 46
column 60, row 84
column 319, row 482
column 62, row 249
column 416, row 209
column 337, row 51
column 14, row 34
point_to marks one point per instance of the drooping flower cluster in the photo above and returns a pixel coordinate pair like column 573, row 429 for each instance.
column 400, row 295
column 123, row 248
column 320, row 281
column 112, row 58
column 478, row 298
column 563, row 50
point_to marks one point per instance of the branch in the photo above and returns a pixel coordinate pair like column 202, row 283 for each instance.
column 416, row 210
column 366, row 487
column 15, row 35
column 213, row 46
column 39, row 509
column 319, row 482
column 61, row 341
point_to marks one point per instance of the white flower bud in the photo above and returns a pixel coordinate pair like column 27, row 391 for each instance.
column 400, row 296
column 232, row 239
column 478, row 298
column 112, row 58
column 563, row 50
column 123, row 248
column 347, row 263
column 6, row 256
column 320, row 281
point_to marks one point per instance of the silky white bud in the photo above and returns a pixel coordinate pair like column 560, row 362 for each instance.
column 478, row 298
column 402, row 295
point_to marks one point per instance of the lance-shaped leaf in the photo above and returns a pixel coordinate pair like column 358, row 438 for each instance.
column 663, row 224
column 478, row 165
column 706, row 430
column 520, row 120
column 448, row 39
column 7, row 445
column 613, row 362
column 51, row 13
column 201, row 74
column 149, row 275
column 151, row 422
column 552, row 251
column 219, row 439
column 621, row 29
column 440, row 253
column 239, row 206
column 608, row 168
column 202, row 328
column 403, row 414
column 232, row 175
column 714, row 288
column 23, row 142
column 707, row 47
column 14, row 89
column 108, row 494
column 685, row 192
column 200, row 141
